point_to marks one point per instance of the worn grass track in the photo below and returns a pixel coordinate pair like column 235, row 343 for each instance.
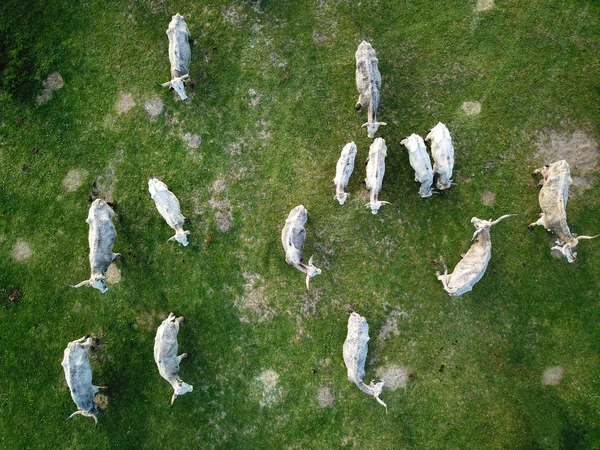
column 273, row 106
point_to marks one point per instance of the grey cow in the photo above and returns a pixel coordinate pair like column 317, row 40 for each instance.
column 355, row 355
column 375, row 173
column 179, row 55
column 472, row 266
column 165, row 355
column 368, row 84
column 101, row 239
column 292, row 239
column 443, row 154
column 78, row 373
column 553, row 198
column 420, row 162
column 168, row 207
column 343, row 170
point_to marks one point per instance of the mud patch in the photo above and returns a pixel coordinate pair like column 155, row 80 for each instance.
column 124, row 103
column 21, row 251
column 553, row 375
column 254, row 298
column 471, row 108
column 394, row 376
column 53, row 82
column 488, row 198
column 74, row 179
column 153, row 107
column 223, row 215
column 192, row 140
column 390, row 327
column 579, row 150
column 270, row 390
column 325, row 398
column 484, row 5
column 113, row 274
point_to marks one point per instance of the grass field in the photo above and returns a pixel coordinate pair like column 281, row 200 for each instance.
column 271, row 109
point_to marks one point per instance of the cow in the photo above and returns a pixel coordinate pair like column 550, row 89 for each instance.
column 473, row 264
column 420, row 162
column 168, row 207
column 343, row 170
column 292, row 239
column 443, row 154
column 78, row 373
column 165, row 355
column 554, row 193
column 355, row 356
column 179, row 55
column 368, row 84
column 375, row 172
column 101, row 239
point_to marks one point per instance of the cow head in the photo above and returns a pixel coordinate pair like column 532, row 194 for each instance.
column 178, row 85
column 481, row 225
column 376, row 205
column 372, row 127
column 180, row 388
column 311, row 272
column 97, row 282
column 180, row 237
column 567, row 248
column 341, row 197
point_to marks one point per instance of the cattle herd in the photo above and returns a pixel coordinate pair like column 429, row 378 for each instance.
column 102, row 233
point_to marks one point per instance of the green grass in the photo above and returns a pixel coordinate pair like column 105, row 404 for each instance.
column 533, row 66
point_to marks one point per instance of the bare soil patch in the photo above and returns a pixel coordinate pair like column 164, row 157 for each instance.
column 578, row 149
column 394, row 376
column 21, row 251
column 319, row 38
column 150, row 320
column 324, row 397
column 223, row 215
column 484, row 5
column 101, row 400
column 74, row 179
column 255, row 97
column 471, row 108
column 270, row 391
column 124, row 103
column 254, row 298
column 488, row 198
column 105, row 184
column 192, row 140
column 390, row 327
column 53, row 82
column 113, row 274
column 553, row 375
column 153, row 107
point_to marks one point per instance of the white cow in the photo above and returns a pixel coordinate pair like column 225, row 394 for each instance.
column 420, row 162
column 473, row 264
column 179, row 55
column 165, row 355
column 554, row 194
column 78, row 373
column 343, row 170
column 355, row 356
column 443, row 154
column 292, row 239
column 101, row 239
column 375, row 172
column 368, row 83
column 168, row 207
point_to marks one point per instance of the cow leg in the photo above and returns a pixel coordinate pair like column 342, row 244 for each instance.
column 540, row 183
column 359, row 103
column 541, row 222
column 180, row 357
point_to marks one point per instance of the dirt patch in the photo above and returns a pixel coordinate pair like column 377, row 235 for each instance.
column 255, row 97
column 53, row 82
column 10, row 296
column 325, row 398
column 223, row 215
column 101, row 400
column 124, row 103
column 579, row 150
column 74, row 179
column 21, row 251
column 394, row 376
column 105, row 184
column 552, row 375
column 488, row 198
column 254, row 298
column 390, row 327
column 192, row 140
column 219, row 185
column 471, row 108
column 484, row 5
column 232, row 14
column 319, row 38
column 150, row 320
column 270, row 391
column 153, row 107
column 113, row 274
